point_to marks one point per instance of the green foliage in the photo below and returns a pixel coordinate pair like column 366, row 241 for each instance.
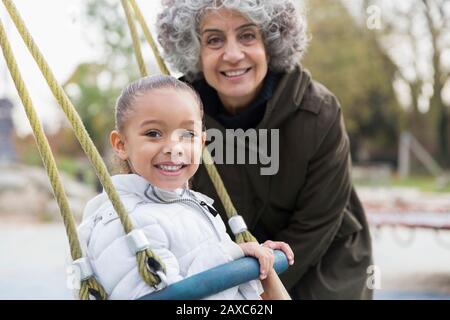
column 346, row 58
column 69, row 166
column 31, row 157
column 95, row 103
column 95, row 86
column 79, row 169
column 108, row 18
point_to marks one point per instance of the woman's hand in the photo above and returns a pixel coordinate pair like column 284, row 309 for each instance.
column 283, row 246
column 264, row 254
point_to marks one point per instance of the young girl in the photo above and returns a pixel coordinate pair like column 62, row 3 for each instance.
column 159, row 136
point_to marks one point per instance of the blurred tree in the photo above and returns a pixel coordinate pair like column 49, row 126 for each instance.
column 94, row 102
column 347, row 59
column 95, row 86
column 27, row 150
column 415, row 35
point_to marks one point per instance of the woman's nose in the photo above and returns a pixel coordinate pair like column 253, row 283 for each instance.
column 233, row 52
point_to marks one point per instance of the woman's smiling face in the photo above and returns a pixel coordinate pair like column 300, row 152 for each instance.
column 162, row 138
column 232, row 57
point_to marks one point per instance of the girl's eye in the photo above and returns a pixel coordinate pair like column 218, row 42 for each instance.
column 214, row 42
column 153, row 134
column 188, row 135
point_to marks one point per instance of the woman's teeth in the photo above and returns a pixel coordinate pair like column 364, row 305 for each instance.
column 235, row 73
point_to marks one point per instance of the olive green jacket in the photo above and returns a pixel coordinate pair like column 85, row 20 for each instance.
column 310, row 202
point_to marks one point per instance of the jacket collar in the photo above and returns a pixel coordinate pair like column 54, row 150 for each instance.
column 288, row 98
column 135, row 184
column 292, row 88
column 250, row 116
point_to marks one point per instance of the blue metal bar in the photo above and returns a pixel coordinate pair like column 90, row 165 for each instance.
column 217, row 279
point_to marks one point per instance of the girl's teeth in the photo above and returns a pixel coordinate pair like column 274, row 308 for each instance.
column 170, row 168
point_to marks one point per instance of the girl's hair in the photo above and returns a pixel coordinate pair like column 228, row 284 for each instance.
column 125, row 103
column 283, row 29
column 127, row 99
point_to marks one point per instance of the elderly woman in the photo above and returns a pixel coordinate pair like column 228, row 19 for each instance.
column 243, row 58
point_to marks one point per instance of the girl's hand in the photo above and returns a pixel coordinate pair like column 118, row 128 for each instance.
column 263, row 254
column 283, row 246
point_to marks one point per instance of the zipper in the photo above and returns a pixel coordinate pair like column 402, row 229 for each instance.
column 209, row 208
column 200, row 204
column 206, row 215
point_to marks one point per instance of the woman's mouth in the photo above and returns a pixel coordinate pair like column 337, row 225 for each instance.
column 235, row 73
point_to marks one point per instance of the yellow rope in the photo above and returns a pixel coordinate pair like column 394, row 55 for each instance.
column 49, row 163
column 84, row 139
column 217, row 181
column 149, row 38
column 90, row 287
column 135, row 38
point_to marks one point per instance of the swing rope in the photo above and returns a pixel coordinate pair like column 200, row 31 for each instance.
column 134, row 37
column 148, row 263
column 90, row 285
column 148, row 36
column 244, row 236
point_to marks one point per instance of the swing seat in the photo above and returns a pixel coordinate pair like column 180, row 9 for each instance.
column 217, row 279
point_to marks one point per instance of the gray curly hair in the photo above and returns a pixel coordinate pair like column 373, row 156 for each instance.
column 283, row 30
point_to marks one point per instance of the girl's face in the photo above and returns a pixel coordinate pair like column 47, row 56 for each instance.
column 232, row 57
column 162, row 138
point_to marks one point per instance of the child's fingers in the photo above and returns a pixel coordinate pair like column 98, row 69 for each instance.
column 263, row 266
column 266, row 260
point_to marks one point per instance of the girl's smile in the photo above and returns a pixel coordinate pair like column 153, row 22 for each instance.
column 170, row 168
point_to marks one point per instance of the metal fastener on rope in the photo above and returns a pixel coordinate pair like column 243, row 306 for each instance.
column 84, row 268
column 137, row 241
column 237, row 224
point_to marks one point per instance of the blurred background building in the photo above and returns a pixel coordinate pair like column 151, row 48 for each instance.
column 7, row 147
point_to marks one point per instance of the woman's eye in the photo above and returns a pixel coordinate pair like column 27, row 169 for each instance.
column 247, row 37
column 214, row 42
column 153, row 134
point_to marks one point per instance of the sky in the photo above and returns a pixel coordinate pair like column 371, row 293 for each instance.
column 59, row 32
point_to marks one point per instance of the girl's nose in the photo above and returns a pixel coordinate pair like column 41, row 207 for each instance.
column 174, row 149
column 233, row 52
